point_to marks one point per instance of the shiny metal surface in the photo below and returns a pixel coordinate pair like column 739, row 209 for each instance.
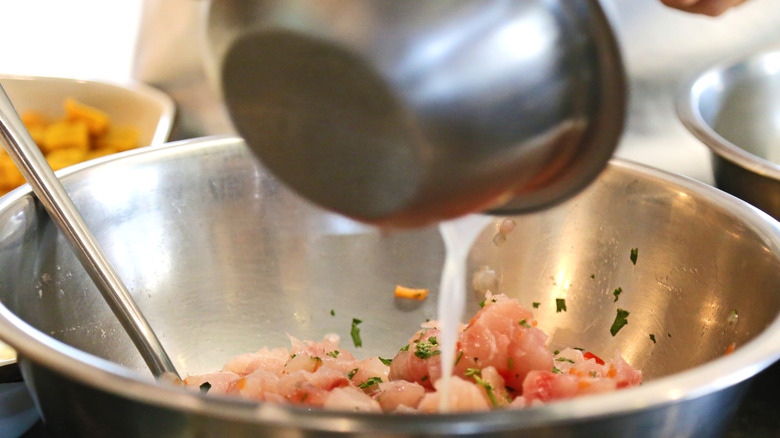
column 403, row 114
column 734, row 109
column 30, row 160
column 223, row 260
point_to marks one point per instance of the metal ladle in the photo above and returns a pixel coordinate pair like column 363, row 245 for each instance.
column 404, row 113
column 31, row 162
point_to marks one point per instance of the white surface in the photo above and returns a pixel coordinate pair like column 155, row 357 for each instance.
column 75, row 38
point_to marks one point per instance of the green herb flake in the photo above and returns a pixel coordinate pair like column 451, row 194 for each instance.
column 617, row 293
column 563, row 359
column 387, row 362
column 557, row 371
column 305, row 396
column 488, row 389
column 471, row 372
column 510, row 389
column 424, row 378
column 524, row 324
column 355, row 333
column 556, row 352
column 621, row 319
column 205, row 387
column 425, row 350
column 593, row 373
column 652, row 338
column 669, row 335
column 404, row 348
column 634, row 255
column 592, row 275
column 460, row 356
column 370, row 382
column 482, row 303
column 510, row 363
column 332, row 312
column 334, row 353
column 352, row 373
column 292, row 356
column 560, row 305
column 578, row 348
column 536, row 304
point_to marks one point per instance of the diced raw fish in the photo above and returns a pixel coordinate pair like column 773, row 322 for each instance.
column 350, row 399
column 393, row 395
column 221, row 382
column 464, row 396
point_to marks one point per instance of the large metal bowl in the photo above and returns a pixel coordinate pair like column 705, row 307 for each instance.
column 734, row 109
column 223, row 260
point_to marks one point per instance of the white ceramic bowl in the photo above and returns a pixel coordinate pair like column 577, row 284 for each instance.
column 150, row 110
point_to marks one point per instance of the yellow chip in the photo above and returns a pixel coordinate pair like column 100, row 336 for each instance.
column 65, row 135
column 119, row 138
column 65, row 157
column 10, row 177
column 97, row 121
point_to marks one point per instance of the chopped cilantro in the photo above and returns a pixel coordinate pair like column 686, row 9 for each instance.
column 424, row 378
column 510, row 363
column 425, row 350
column 205, row 387
column 332, row 312
column 621, row 319
column 404, row 348
column 292, row 356
column 669, row 335
column 387, row 362
column 536, row 304
column 355, row 333
column 556, row 352
column 510, row 389
column 460, row 355
column 593, row 373
column 560, row 305
column 592, row 275
column 652, row 338
column 578, row 348
column 352, row 373
column 617, row 293
column 371, row 381
column 488, row 389
column 334, row 353
column 634, row 254
column 524, row 324
column 482, row 303
column 305, row 396
column 563, row 359
column 557, row 371
column 471, row 372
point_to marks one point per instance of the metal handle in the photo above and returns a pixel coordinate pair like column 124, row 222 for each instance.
column 31, row 162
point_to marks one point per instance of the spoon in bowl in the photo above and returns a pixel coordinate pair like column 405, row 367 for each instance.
column 48, row 189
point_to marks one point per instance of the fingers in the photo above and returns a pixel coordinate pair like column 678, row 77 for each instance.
column 712, row 8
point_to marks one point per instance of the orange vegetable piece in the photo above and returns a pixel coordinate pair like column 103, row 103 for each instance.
column 413, row 294
column 97, row 121
column 731, row 348
column 65, row 135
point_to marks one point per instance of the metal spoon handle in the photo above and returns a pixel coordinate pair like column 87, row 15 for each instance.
column 31, row 162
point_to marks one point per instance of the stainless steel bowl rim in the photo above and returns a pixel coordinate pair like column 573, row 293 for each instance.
column 691, row 117
column 746, row 361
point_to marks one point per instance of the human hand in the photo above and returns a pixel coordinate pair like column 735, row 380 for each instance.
column 712, row 8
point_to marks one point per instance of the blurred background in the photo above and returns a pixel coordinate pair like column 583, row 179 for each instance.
column 164, row 43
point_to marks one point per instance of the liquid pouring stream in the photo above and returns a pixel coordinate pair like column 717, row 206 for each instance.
column 459, row 236
column 49, row 191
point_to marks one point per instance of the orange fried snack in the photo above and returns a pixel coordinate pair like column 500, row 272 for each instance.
column 412, row 294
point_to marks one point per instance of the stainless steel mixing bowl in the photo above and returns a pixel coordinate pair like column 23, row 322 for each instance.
column 222, row 259
column 734, row 109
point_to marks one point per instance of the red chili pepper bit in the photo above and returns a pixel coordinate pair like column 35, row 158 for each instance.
column 589, row 355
